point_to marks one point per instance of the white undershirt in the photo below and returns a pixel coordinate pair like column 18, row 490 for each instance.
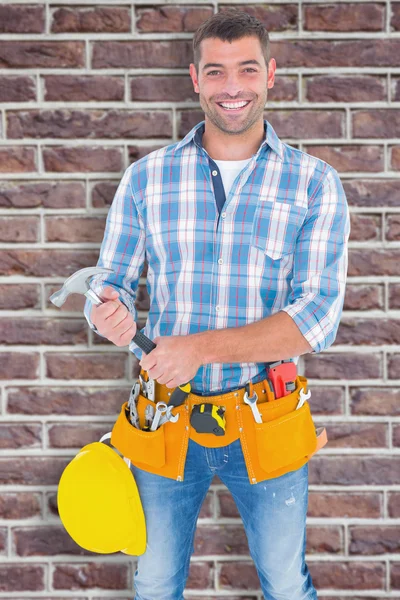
column 229, row 170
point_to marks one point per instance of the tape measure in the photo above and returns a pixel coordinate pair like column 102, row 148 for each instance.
column 208, row 418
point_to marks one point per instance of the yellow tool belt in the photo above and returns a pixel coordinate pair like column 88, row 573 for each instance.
column 284, row 441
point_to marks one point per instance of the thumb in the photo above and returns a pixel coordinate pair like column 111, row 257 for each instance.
column 109, row 293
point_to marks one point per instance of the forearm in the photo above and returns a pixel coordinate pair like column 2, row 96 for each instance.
column 274, row 338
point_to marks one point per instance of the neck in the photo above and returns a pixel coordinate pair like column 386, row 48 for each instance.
column 226, row 146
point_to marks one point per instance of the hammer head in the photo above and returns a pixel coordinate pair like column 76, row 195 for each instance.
column 78, row 283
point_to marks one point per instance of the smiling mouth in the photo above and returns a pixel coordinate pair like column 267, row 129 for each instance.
column 234, row 110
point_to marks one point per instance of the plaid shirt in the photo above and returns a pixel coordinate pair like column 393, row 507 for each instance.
column 277, row 242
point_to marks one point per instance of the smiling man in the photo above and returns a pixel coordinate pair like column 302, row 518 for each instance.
column 246, row 243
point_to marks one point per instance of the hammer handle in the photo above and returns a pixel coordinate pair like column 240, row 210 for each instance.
column 139, row 338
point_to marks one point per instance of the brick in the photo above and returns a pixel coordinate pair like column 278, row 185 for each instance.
column 81, row 365
column 396, row 436
column 368, row 192
column 394, row 505
column 374, row 539
column 226, row 505
column 136, row 54
column 395, row 575
column 19, row 296
column 171, row 18
column 223, row 540
column 17, row 159
column 16, row 88
column 68, row 400
column 302, row 124
column 99, row 19
column 83, row 88
column 3, row 541
column 365, row 227
column 364, row 296
column 345, row 17
column 393, row 362
column 69, row 124
column 344, row 504
column 21, row 578
column 374, row 262
column 31, row 470
column 369, row 332
column 19, row 229
column 83, row 159
column 336, row 53
column 43, row 263
column 41, row 54
column 374, row 400
column 171, row 88
column 76, row 435
column 394, row 296
column 44, row 541
column 351, row 157
column 238, row 576
column 49, row 194
column 75, row 229
column 15, row 435
column 108, row 576
column 103, row 193
column 285, row 89
column 354, row 470
column 19, row 365
column 342, row 366
column 392, row 232
column 395, row 88
column 395, row 17
column 358, row 435
column 280, row 17
column 376, row 123
column 22, row 19
column 325, row 540
column 138, row 151
column 394, row 157
column 39, row 330
column 350, row 575
column 201, row 576
column 346, row 88
column 326, row 400
column 20, row 505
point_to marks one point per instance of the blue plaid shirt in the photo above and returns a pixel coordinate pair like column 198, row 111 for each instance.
column 277, row 242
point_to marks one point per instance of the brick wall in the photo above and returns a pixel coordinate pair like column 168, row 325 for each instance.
column 87, row 88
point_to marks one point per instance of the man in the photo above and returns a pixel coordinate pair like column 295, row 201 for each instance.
column 246, row 243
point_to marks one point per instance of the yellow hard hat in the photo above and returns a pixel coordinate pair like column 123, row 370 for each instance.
column 99, row 503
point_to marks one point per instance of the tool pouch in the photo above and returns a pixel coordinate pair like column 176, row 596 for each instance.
column 163, row 451
column 284, row 441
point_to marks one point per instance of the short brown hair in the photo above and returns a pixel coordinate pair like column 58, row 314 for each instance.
column 228, row 25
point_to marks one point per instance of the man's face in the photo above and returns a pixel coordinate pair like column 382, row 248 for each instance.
column 232, row 81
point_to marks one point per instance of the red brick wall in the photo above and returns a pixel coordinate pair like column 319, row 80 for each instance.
column 86, row 89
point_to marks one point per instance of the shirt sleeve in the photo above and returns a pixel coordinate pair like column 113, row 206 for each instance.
column 122, row 249
column 320, row 265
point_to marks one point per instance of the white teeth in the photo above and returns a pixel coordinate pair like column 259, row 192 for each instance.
column 233, row 104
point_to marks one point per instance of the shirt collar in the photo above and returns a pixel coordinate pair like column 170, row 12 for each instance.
column 271, row 139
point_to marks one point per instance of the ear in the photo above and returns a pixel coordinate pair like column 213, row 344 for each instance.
column 193, row 75
column 271, row 73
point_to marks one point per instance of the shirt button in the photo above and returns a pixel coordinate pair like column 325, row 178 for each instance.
column 220, row 261
column 217, row 308
column 215, row 173
column 223, row 215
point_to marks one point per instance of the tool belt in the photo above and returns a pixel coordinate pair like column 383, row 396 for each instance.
column 284, row 441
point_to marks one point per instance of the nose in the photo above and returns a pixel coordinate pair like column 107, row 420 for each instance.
column 232, row 85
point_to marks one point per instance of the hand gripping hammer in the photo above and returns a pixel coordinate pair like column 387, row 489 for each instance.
column 78, row 283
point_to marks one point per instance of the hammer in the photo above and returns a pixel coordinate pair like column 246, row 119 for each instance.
column 78, row 283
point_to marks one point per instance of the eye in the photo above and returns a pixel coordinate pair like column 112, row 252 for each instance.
column 211, row 72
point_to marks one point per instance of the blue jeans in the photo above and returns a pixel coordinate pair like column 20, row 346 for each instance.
column 273, row 514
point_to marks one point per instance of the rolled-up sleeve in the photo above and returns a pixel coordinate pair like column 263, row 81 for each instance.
column 320, row 264
column 122, row 249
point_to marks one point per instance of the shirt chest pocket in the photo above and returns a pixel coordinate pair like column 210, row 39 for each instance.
column 275, row 227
